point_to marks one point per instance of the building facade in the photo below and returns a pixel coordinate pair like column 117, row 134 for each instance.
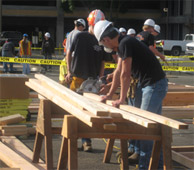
column 176, row 17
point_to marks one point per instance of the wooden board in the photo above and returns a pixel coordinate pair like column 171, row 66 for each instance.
column 179, row 99
column 11, row 119
column 180, row 88
column 125, row 115
column 152, row 116
column 13, row 160
column 178, row 112
column 72, row 97
column 83, row 115
column 17, row 146
column 184, row 155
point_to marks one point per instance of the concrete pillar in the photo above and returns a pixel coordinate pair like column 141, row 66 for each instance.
column 0, row 15
column 60, row 24
column 187, row 12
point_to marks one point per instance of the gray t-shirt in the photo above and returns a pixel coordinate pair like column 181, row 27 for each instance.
column 70, row 38
column 8, row 49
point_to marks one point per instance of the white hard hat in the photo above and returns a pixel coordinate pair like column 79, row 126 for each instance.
column 149, row 22
column 131, row 31
column 100, row 27
column 47, row 34
column 122, row 29
column 157, row 28
column 82, row 21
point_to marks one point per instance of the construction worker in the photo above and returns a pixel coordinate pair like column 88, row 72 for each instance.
column 25, row 52
column 87, row 60
column 80, row 25
column 146, row 37
column 131, row 32
column 8, row 50
column 48, row 49
column 156, row 31
column 137, row 59
column 122, row 31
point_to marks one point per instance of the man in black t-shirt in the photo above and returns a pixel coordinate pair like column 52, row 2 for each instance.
column 146, row 37
column 137, row 59
column 87, row 60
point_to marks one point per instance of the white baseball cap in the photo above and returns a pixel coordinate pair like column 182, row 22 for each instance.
column 82, row 21
column 131, row 31
column 47, row 34
column 122, row 29
column 157, row 28
column 149, row 22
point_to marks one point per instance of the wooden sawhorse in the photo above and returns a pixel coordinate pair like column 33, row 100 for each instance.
column 73, row 129
column 44, row 130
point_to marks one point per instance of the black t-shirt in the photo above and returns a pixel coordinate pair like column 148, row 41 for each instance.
column 88, row 56
column 146, row 38
column 145, row 66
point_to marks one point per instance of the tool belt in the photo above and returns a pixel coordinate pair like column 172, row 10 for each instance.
column 132, row 88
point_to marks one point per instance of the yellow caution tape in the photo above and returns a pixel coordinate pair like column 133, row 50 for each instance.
column 184, row 56
column 177, row 68
column 32, row 61
column 171, row 62
column 60, row 62
column 110, row 65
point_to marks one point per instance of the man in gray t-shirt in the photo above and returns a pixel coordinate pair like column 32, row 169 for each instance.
column 8, row 51
column 79, row 26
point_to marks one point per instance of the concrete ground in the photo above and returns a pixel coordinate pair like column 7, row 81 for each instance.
column 93, row 161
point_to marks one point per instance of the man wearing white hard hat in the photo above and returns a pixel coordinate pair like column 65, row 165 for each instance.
column 47, row 50
column 146, row 37
column 138, row 60
column 122, row 31
column 131, row 32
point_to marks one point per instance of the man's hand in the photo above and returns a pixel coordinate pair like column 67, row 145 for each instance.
column 104, row 89
column 104, row 98
column 68, row 78
column 116, row 103
column 109, row 77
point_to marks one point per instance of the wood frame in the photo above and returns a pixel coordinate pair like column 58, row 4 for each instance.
column 68, row 152
column 184, row 155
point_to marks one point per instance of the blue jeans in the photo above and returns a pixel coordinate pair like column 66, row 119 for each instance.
column 87, row 140
column 150, row 98
column 5, row 64
column 26, row 67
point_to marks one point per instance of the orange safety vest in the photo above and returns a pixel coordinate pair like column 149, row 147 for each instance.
column 22, row 48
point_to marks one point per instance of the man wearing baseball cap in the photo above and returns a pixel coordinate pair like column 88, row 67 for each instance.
column 138, row 60
column 80, row 25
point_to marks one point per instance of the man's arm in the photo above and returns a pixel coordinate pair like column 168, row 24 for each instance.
column 68, row 60
column 115, row 82
column 125, row 81
column 156, row 52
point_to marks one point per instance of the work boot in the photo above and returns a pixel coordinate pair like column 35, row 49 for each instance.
column 87, row 147
column 118, row 155
column 134, row 158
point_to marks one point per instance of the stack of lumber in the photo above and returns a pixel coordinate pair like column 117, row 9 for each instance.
column 92, row 112
column 17, row 156
column 14, row 95
column 34, row 104
column 10, row 126
column 179, row 102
